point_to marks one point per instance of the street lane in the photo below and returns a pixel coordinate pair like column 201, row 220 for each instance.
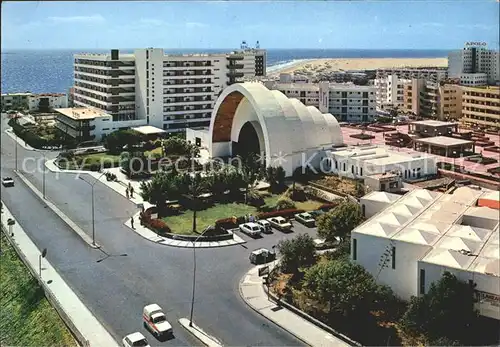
column 117, row 288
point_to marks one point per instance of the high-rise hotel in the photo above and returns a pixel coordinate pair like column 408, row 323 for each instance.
column 169, row 91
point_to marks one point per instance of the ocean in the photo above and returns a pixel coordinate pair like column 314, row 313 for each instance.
column 51, row 71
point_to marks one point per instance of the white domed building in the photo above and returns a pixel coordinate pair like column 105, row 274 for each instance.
column 248, row 117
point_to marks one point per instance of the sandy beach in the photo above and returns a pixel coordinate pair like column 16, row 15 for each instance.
column 350, row 64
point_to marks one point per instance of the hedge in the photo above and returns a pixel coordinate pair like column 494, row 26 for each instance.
column 283, row 213
column 327, row 207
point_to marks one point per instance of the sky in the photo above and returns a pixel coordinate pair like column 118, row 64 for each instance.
column 397, row 24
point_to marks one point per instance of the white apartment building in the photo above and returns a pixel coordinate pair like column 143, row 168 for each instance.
column 431, row 74
column 389, row 92
column 346, row 101
column 169, row 91
column 475, row 58
column 473, row 79
column 47, row 101
column 362, row 161
column 409, row 241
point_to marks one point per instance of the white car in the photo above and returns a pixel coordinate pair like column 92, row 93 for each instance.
column 305, row 218
column 156, row 321
column 252, row 229
column 8, row 182
column 135, row 340
column 266, row 226
column 280, row 223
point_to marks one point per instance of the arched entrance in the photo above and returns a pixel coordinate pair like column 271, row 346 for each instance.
column 248, row 141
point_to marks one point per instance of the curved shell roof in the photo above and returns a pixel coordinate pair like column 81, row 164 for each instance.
column 288, row 125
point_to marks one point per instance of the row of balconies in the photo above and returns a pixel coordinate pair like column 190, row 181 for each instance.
column 173, row 82
column 111, row 73
column 235, row 66
column 235, row 74
column 171, row 73
column 187, row 108
column 187, row 99
column 114, row 63
column 186, row 63
column 187, row 90
column 183, row 117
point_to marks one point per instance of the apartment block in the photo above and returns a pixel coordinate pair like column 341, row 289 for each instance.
column 431, row 100
column 47, row 102
column 389, row 92
column 15, row 101
column 475, row 58
column 169, row 91
column 481, row 107
column 434, row 74
column 346, row 101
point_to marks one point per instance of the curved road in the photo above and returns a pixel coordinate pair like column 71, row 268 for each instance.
column 117, row 288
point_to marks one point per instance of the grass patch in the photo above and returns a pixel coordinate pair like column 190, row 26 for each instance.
column 155, row 153
column 89, row 161
column 26, row 317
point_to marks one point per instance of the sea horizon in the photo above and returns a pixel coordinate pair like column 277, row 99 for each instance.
column 51, row 70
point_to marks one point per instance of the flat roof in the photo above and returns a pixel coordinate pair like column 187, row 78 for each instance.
column 149, row 130
column 439, row 221
column 444, row 141
column 17, row 94
column 81, row 113
column 433, row 123
column 377, row 155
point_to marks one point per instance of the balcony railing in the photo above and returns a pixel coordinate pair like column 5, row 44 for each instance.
column 235, row 57
column 235, row 66
column 235, row 74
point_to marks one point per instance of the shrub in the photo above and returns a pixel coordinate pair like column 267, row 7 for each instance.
column 281, row 213
column 226, row 223
column 328, row 207
column 296, row 195
column 284, row 204
column 159, row 226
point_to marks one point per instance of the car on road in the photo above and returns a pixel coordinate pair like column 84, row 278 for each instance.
column 262, row 256
column 251, row 229
column 8, row 182
column 281, row 224
column 135, row 340
column 156, row 321
column 266, row 226
column 306, row 219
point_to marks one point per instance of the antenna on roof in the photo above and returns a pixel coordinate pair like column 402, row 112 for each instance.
column 257, row 45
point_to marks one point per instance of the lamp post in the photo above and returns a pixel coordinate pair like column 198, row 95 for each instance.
column 43, row 172
column 43, row 255
column 93, row 213
column 15, row 151
column 454, row 155
column 194, row 277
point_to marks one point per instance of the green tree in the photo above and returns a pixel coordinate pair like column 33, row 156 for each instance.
column 179, row 146
column 251, row 171
column 118, row 139
column 345, row 288
column 297, row 253
column 162, row 187
column 193, row 185
column 446, row 311
column 339, row 221
column 284, row 204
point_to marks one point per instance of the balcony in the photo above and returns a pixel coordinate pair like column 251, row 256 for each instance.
column 235, row 74
column 235, row 57
column 235, row 66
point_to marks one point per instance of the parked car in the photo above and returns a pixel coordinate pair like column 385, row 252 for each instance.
column 156, row 321
column 8, row 182
column 306, row 219
column 266, row 226
column 281, row 224
column 251, row 229
column 262, row 256
column 135, row 340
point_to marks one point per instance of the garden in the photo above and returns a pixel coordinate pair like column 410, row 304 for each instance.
column 41, row 136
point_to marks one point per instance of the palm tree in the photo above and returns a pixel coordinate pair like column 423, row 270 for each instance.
column 195, row 185
column 163, row 186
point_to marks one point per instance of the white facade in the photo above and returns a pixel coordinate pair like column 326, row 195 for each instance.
column 171, row 92
column 475, row 59
column 363, row 161
column 410, row 243
column 389, row 92
column 346, row 101
column 430, row 74
column 473, row 79
column 52, row 100
column 287, row 133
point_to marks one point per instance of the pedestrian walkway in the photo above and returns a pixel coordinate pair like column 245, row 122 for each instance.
column 252, row 291
column 20, row 141
column 79, row 315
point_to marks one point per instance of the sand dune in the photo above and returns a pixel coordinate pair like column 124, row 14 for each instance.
column 329, row 65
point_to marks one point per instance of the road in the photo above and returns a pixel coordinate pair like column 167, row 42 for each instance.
column 118, row 287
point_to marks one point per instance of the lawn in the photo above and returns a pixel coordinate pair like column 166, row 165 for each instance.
column 26, row 317
column 84, row 162
column 183, row 223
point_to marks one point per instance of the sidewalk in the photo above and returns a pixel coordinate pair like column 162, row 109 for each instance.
column 18, row 140
column 80, row 316
column 252, row 292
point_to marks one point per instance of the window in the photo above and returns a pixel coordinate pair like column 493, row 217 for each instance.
column 422, row 281
column 344, row 167
column 363, row 210
column 354, row 249
column 352, row 168
column 393, row 254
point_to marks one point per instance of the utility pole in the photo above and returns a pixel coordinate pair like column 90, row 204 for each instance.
column 194, row 277
column 16, row 151
column 43, row 170
column 93, row 209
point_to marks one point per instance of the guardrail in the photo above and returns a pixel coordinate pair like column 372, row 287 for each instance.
column 48, row 294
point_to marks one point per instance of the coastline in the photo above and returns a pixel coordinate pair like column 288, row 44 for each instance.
column 313, row 66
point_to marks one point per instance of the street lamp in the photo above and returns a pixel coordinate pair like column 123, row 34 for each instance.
column 194, row 276
column 93, row 213
column 43, row 255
